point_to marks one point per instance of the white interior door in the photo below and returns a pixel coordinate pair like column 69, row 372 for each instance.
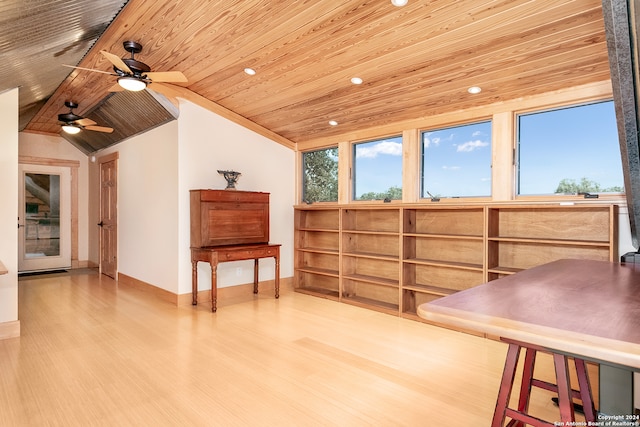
column 44, row 220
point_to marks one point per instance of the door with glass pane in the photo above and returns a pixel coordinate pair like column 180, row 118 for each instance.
column 44, row 220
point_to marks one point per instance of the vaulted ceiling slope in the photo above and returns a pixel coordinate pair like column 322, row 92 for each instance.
column 37, row 37
column 415, row 61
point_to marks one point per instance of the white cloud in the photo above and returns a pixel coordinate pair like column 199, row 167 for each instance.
column 384, row 147
column 471, row 145
column 451, row 168
column 428, row 141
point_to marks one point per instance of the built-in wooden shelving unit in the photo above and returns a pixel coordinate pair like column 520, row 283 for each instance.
column 394, row 258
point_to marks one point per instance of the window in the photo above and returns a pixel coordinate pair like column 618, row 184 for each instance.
column 570, row 150
column 377, row 169
column 456, row 161
column 320, row 176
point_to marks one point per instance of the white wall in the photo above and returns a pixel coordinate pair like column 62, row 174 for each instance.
column 56, row 147
column 9, row 205
column 209, row 143
column 157, row 169
column 147, row 206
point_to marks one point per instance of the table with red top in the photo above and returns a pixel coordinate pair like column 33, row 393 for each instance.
column 578, row 310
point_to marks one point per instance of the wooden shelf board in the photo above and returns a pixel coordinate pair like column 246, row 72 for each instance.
column 372, row 256
column 321, row 230
column 444, row 236
column 320, row 271
column 448, row 264
column 378, row 233
column 372, row 279
column 504, row 270
column 429, row 289
column 319, row 250
column 386, row 307
column 319, row 292
column 563, row 242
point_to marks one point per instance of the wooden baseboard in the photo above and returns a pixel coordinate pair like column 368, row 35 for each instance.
column 160, row 293
column 9, row 329
column 229, row 293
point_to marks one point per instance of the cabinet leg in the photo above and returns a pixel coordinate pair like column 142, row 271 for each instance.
column 194, row 282
column 255, row 276
column 277, row 278
column 214, row 287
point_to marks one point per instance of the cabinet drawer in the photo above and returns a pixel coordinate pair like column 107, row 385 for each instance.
column 247, row 254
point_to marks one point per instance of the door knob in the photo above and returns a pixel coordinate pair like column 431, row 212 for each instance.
column 101, row 223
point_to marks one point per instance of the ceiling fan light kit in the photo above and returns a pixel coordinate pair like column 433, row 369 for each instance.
column 70, row 129
column 132, row 83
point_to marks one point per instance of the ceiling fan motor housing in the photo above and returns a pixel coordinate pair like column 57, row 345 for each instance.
column 134, row 65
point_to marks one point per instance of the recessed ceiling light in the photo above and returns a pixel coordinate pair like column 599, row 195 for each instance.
column 474, row 89
column 250, row 71
column 356, row 80
column 399, row 3
column 333, row 123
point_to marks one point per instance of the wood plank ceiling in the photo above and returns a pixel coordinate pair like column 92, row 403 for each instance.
column 415, row 61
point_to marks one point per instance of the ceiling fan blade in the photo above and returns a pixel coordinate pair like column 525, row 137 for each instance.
column 99, row 129
column 85, row 122
column 167, row 76
column 116, row 61
column 88, row 69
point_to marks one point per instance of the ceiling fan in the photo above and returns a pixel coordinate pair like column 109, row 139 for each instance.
column 72, row 123
column 135, row 75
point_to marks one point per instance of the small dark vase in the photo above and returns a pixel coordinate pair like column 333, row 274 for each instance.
column 231, row 177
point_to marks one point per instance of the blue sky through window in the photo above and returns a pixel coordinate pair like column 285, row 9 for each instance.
column 569, row 143
column 456, row 161
column 378, row 166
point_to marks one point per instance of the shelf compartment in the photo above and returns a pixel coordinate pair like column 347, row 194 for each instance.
column 412, row 299
column 319, row 240
column 318, row 219
column 438, row 280
column 584, row 223
column 373, row 220
column 318, row 284
column 372, row 245
column 370, row 295
column 508, row 256
column 434, row 249
column 374, row 270
column 450, row 221
column 318, row 262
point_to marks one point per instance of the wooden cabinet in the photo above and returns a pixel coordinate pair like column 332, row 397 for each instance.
column 228, row 217
column 394, row 258
column 230, row 225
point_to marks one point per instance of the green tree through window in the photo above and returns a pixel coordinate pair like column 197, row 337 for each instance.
column 320, row 176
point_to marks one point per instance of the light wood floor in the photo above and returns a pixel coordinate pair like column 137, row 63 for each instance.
column 92, row 353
